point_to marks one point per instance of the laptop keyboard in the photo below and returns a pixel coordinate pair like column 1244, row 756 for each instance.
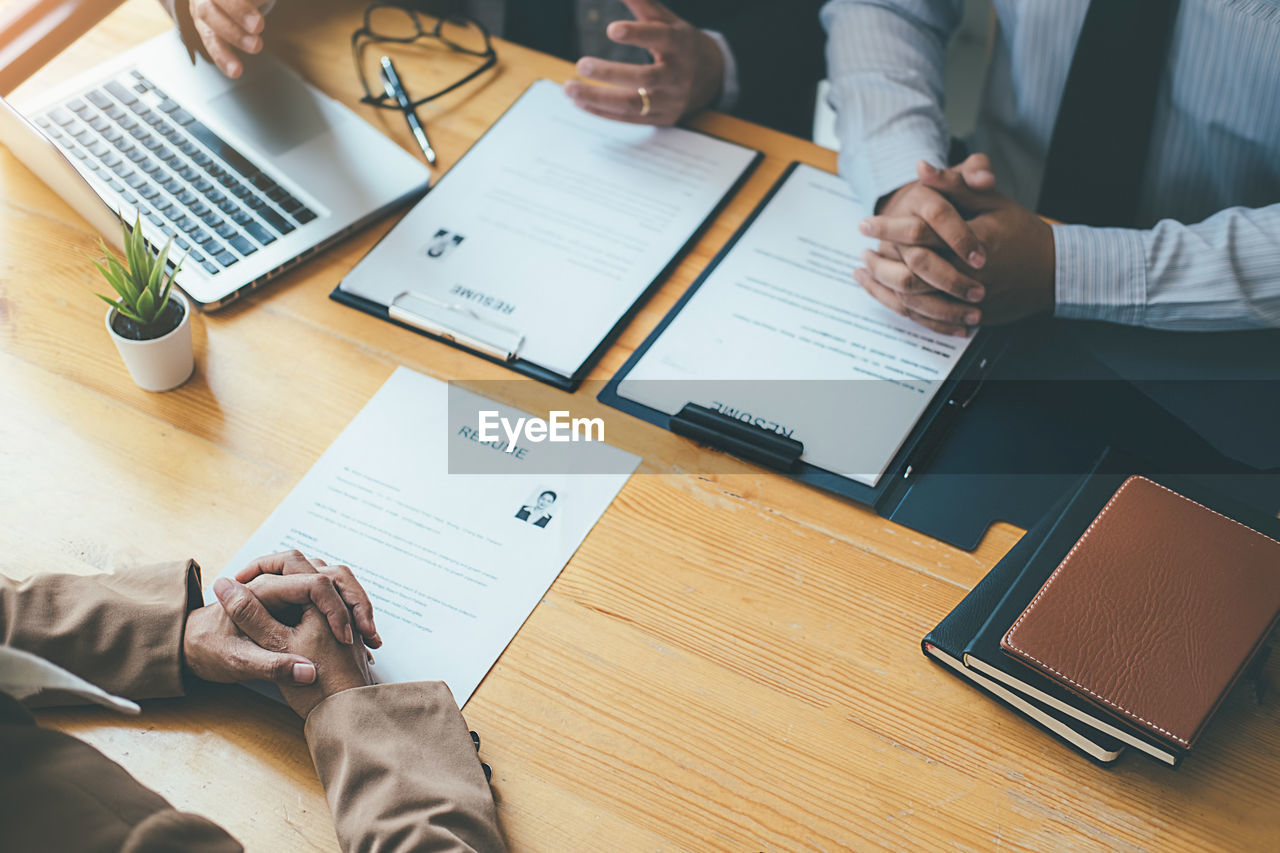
column 188, row 181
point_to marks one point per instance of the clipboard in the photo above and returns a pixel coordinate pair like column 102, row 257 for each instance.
column 1026, row 412
column 893, row 495
column 461, row 327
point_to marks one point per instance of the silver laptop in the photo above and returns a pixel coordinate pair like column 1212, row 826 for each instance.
column 249, row 176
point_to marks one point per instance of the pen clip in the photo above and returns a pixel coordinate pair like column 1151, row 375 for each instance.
column 456, row 322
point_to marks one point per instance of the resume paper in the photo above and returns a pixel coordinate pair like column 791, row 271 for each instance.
column 453, row 562
column 780, row 335
column 550, row 228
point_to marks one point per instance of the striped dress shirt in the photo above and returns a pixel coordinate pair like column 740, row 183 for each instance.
column 1207, row 253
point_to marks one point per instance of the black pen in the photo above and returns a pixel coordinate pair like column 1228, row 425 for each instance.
column 391, row 82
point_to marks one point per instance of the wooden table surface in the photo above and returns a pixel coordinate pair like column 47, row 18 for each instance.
column 729, row 662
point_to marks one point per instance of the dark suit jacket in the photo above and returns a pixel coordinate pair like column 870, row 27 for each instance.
column 397, row 763
column 778, row 45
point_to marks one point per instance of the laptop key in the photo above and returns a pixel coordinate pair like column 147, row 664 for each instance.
column 97, row 149
column 181, row 116
column 275, row 220
column 259, row 233
column 116, row 185
column 255, row 202
column 111, row 160
column 78, row 107
column 188, row 173
column 188, row 148
column 201, row 185
column 215, row 197
column 113, row 111
column 148, row 192
column 99, row 123
column 98, row 98
column 137, row 155
column 152, row 143
column 135, row 180
column 241, row 191
column 150, row 167
column 196, row 255
column 239, row 217
column 61, row 116
column 202, row 237
column 226, row 258
column 228, row 154
column 226, row 231
column 112, row 134
column 187, row 224
column 156, row 220
column 120, row 92
column 183, row 244
column 168, row 105
column 186, row 197
column 201, row 159
column 139, row 132
column 44, row 122
column 140, row 88
column 242, row 245
column 128, row 123
column 79, row 153
column 279, row 194
column 304, row 216
column 173, row 186
column 227, row 206
column 129, row 198
column 209, row 267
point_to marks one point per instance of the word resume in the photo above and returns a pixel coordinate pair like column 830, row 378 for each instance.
column 550, row 228
column 779, row 334
column 454, row 539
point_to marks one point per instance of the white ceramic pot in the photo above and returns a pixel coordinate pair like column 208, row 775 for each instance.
column 163, row 363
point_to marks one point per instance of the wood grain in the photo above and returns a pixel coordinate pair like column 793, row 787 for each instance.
column 730, row 661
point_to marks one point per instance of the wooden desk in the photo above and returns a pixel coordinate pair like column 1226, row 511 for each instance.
column 730, row 662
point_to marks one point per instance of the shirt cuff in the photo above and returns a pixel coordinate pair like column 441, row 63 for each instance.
column 729, row 88
column 1099, row 274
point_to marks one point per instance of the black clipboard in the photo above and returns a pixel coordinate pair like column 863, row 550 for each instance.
column 1027, row 411
column 894, row 495
column 529, row 368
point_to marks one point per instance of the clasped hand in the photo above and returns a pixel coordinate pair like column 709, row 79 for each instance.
column 296, row 622
column 954, row 253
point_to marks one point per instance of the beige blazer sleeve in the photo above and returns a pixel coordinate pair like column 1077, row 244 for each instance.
column 400, row 771
column 121, row 631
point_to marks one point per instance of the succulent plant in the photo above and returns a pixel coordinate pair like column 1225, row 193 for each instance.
column 141, row 285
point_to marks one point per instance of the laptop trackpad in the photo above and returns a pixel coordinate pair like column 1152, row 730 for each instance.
column 274, row 109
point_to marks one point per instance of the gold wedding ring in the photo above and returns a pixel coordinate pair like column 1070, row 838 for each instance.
column 645, row 105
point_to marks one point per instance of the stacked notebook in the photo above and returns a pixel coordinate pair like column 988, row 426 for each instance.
column 1124, row 618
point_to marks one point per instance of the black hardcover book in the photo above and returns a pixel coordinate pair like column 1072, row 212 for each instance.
column 946, row 644
column 983, row 654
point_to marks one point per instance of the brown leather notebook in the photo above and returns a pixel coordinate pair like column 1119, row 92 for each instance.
column 1155, row 611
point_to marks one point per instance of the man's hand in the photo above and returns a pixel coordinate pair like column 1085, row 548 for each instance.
column 335, row 665
column 686, row 75
column 919, row 273
column 332, row 589
column 226, row 27
column 215, row 649
column 338, row 667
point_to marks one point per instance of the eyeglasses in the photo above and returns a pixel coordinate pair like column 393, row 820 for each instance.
column 388, row 22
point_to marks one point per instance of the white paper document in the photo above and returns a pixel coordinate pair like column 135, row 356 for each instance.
column 780, row 335
column 551, row 227
column 453, row 562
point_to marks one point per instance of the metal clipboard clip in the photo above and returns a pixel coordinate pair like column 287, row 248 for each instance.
column 455, row 322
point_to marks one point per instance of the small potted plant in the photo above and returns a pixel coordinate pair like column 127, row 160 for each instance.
column 149, row 321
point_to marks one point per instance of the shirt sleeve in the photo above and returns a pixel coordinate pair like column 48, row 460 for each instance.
column 121, row 631
column 400, row 770
column 885, row 64
column 729, row 86
column 1217, row 275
